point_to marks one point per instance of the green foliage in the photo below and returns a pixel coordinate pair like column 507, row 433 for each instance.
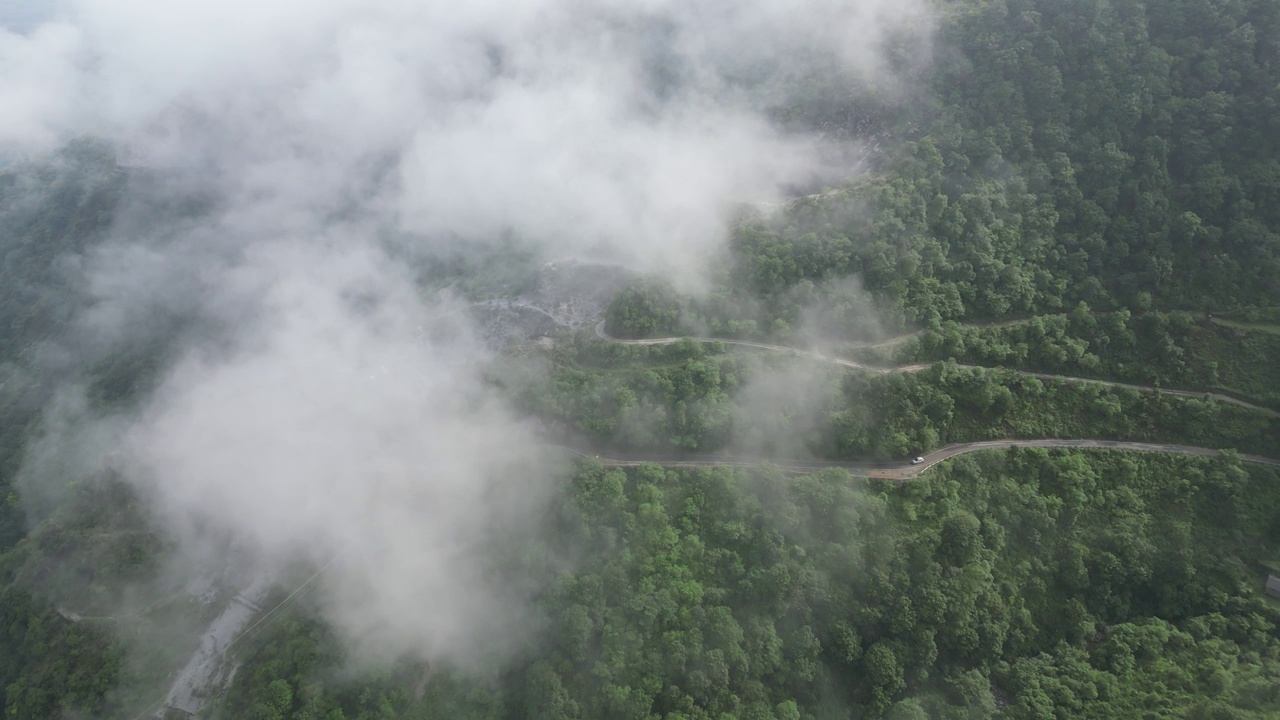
column 50, row 665
column 904, row 413
column 1105, row 151
column 52, row 661
column 674, row 395
column 1173, row 350
column 1096, row 164
column 49, row 213
column 684, row 397
column 479, row 270
column 1065, row 584
column 645, row 308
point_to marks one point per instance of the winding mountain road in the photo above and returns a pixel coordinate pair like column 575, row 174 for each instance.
column 762, row 346
column 898, row 471
column 600, row 332
column 905, row 471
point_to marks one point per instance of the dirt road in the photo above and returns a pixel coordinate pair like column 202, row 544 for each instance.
column 901, row 470
column 918, row 367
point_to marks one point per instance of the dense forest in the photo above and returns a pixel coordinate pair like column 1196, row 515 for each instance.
column 1023, row 584
column 49, row 214
column 1020, row 584
column 1173, row 350
column 1115, row 152
column 1076, row 188
column 694, row 396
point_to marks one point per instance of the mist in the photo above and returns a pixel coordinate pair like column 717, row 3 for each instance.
column 320, row 407
column 334, row 428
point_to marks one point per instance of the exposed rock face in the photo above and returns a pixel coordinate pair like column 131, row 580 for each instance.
column 209, row 668
column 577, row 293
column 568, row 295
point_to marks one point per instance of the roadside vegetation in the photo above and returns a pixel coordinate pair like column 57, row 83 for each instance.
column 1074, row 188
column 1171, row 350
column 1018, row 584
column 693, row 396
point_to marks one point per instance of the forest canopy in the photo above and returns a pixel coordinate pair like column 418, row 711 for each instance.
column 1071, row 191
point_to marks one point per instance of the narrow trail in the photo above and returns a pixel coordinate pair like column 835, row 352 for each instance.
column 923, row 366
column 904, row 470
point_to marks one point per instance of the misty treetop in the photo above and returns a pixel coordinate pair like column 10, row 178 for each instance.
column 645, row 308
column 1082, row 187
column 1170, row 350
column 693, row 396
column 1114, row 152
column 1017, row 584
column 50, row 213
column 1022, row 584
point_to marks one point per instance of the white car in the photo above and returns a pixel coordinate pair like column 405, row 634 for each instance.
column 917, row 461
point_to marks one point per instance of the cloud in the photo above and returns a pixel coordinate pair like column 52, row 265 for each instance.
column 38, row 80
column 319, row 409
column 335, row 426
column 615, row 129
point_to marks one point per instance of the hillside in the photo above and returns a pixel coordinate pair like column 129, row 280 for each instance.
column 317, row 447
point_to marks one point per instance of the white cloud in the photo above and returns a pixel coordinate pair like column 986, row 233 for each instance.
column 619, row 129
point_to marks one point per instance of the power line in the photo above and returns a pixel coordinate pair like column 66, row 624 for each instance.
column 281, row 604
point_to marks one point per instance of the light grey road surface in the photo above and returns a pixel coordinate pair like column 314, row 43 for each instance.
column 902, row 470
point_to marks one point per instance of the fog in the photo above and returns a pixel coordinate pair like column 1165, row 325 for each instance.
column 332, row 429
column 322, row 411
column 623, row 130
